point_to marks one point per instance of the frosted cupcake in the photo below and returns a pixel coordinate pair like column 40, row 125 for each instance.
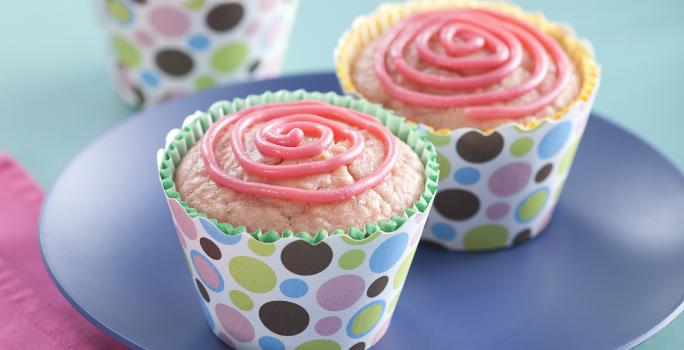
column 299, row 214
column 503, row 94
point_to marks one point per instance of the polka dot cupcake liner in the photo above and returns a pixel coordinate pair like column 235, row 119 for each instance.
column 498, row 188
column 161, row 49
column 330, row 293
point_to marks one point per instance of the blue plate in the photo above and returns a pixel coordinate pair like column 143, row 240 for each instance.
column 607, row 273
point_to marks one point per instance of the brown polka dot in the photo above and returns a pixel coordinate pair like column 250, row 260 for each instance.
column 225, row 17
column 138, row 95
column 377, row 286
column 522, row 236
column 174, row 62
column 543, row 173
column 431, row 245
column 284, row 317
column 478, row 148
column 305, row 259
column 457, row 204
column 141, row 2
column 358, row 346
column 254, row 65
column 210, row 248
column 202, row 290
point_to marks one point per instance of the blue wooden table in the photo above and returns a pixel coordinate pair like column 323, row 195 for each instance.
column 56, row 95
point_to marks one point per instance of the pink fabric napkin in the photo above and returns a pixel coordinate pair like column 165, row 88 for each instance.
column 33, row 314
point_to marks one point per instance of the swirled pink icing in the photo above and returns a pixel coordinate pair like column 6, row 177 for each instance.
column 483, row 47
column 300, row 130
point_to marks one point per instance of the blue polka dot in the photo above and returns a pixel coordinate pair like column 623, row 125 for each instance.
column 294, row 288
column 388, row 253
column 270, row 343
column 207, row 315
column 443, row 231
column 149, row 78
column 199, row 42
column 467, row 176
column 554, row 140
column 217, row 234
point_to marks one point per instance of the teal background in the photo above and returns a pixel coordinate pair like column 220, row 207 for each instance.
column 56, row 94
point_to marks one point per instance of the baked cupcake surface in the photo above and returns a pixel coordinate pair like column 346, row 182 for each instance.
column 395, row 191
column 464, row 64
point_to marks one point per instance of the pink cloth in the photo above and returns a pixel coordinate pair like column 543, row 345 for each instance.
column 33, row 314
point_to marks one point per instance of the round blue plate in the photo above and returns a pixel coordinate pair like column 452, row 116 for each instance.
column 607, row 272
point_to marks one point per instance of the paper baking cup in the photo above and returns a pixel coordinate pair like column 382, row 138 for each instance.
column 263, row 291
column 497, row 188
column 160, row 49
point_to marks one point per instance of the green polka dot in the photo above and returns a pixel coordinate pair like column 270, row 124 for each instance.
column 125, row 51
column 486, row 237
column 204, row 82
column 229, row 57
column 444, row 166
column 557, row 192
column 241, row 300
column 193, row 4
column 400, row 277
column 119, row 11
column 319, row 344
column 440, row 137
column 252, row 274
column 260, row 248
column 393, row 303
column 566, row 161
column 187, row 261
column 532, row 205
column 352, row 259
column 367, row 319
column 364, row 241
column 521, row 146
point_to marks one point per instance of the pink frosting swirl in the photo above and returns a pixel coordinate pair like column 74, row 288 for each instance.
column 485, row 47
column 297, row 130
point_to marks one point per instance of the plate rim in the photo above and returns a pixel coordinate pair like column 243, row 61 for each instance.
column 673, row 314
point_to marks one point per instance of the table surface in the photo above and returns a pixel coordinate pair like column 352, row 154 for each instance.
column 56, row 94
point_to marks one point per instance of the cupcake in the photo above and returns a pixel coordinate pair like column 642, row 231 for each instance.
column 503, row 94
column 299, row 214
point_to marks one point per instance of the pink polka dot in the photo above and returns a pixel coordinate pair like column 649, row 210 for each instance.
column 184, row 222
column 498, row 210
column 180, row 237
column 416, row 236
column 272, row 32
column 328, row 326
column 206, row 271
column 381, row 332
column 251, row 28
column 267, row 4
column 237, row 325
column 226, row 340
column 510, row 178
column 169, row 21
column 143, row 38
column 340, row 292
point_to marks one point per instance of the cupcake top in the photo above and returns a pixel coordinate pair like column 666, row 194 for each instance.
column 472, row 65
column 300, row 166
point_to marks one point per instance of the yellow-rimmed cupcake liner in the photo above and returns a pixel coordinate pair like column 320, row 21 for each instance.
column 499, row 187
column 368, row 28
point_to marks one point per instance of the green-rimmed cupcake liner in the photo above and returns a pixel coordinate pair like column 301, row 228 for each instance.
column 179, row 141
